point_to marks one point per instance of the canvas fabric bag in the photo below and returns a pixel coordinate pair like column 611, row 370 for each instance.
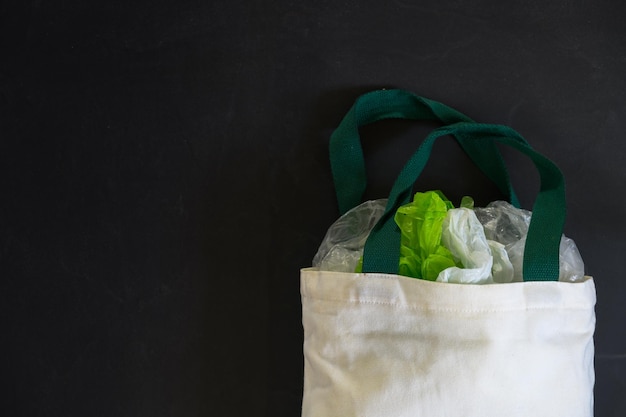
column 379, row 344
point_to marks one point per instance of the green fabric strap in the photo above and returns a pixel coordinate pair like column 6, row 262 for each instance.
column 541, row 254
column 346, row 153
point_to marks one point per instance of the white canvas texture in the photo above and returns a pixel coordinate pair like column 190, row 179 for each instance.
column 378, row 345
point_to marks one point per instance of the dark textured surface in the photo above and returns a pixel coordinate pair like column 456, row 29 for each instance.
column 164, row 175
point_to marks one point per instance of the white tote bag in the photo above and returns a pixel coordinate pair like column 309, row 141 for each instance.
column 383, row 345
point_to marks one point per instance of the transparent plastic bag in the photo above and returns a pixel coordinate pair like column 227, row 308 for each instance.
column 343, row 244
column 508, row 225
column 493, row 254
column 424, row 244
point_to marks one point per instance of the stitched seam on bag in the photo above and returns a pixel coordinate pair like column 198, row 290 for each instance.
column 450, row 310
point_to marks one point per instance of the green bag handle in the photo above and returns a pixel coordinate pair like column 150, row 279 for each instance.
column 541, row 253
column 346, row 153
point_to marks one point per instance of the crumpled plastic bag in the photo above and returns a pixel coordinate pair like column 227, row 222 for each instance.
column 483, row 261
column 458, row 253
column 342, row 247
column 422, row 255
column 508, row 225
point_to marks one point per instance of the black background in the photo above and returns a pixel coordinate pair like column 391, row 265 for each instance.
column 164, row 175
